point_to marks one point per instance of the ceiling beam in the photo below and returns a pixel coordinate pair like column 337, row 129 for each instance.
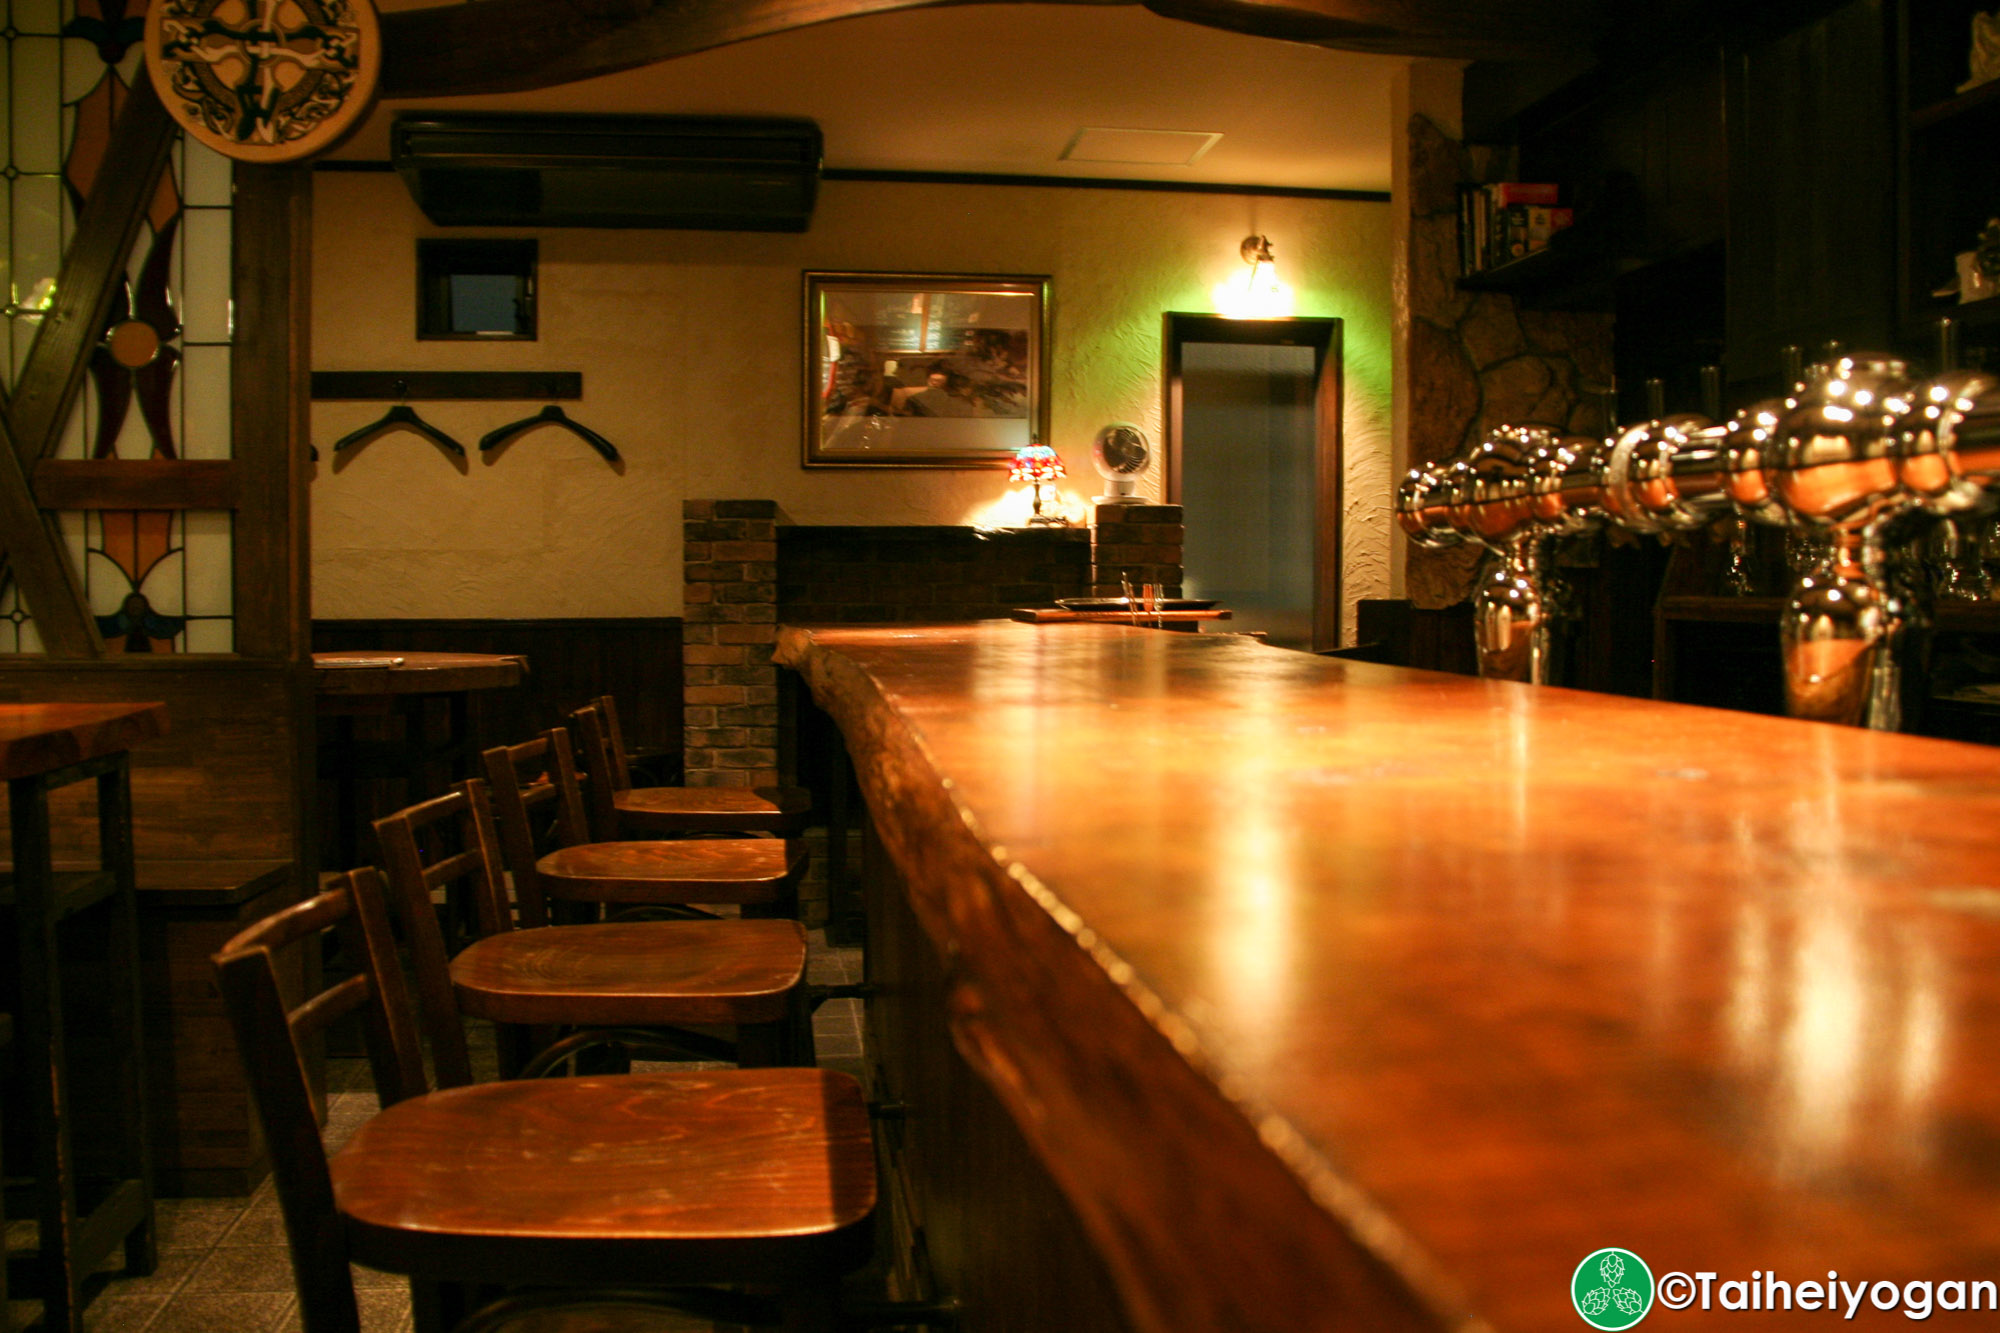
column 499, row 46
column 504, row 46
column 1436, row 29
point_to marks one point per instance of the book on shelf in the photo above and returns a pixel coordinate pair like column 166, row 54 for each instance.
column 1503, row 221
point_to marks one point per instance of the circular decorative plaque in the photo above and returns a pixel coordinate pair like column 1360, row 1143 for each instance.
column 265, row 80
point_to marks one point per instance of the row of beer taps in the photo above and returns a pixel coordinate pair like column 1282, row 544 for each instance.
column 1857, row 443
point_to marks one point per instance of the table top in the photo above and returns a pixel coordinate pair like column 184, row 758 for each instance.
column 36, row 738
column 386, row 672
column 1498, row 974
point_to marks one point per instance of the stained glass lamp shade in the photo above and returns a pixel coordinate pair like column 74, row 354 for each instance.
column 1038, row 465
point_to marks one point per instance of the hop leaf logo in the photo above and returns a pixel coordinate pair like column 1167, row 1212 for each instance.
column 1612, row 1289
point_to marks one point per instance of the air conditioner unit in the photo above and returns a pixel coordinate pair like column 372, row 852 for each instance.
column 718, row 173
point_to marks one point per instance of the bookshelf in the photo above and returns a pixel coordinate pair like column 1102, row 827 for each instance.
column 1950, row 176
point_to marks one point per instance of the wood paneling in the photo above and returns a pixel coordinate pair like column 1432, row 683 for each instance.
column 205, row 1135
column 949, row 1231
column 570, row 662
column 223, row 782
column 215, row 816
column 1812, row 224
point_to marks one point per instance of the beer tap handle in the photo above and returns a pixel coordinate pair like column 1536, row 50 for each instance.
column 1656, row 398
column 1947, row 345
column 1793, row 358
column 1711, row 392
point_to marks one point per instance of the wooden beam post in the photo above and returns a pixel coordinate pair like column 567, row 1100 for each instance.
column 92, row 269
column 47, row 387
column 270, row 369
column 40, row 565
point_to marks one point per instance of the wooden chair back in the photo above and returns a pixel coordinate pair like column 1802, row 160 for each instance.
column 270, row 1038
column 538, row 806
column 614, row 743
column 414, row 876
column 600, row 772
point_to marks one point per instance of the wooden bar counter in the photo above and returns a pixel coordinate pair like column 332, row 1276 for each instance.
column 1337, row 996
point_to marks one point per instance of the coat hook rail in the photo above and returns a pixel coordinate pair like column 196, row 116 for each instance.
column 396, row 385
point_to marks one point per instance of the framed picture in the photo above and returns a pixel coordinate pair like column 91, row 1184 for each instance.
column 939, row 370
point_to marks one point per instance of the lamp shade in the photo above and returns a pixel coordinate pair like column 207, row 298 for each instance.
column 1037, row 463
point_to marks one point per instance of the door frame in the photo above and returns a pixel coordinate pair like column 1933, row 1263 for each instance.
column 1323, row 335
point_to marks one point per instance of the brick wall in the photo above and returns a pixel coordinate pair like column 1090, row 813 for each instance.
column 729, row 685
column 746, row 570
column 872, row 575
column 1138, row 542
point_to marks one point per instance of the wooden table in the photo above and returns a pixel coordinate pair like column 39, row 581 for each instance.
column 380, row 673
column 365, row 684
column 1333, row 995
column 94, row 1185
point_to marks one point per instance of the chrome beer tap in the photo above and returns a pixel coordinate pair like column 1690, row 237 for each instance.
column 1513, row 490
column 1837, row 467
column 1855, row 444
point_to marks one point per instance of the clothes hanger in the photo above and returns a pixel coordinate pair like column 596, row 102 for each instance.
column 551, row 415
column 402, row 414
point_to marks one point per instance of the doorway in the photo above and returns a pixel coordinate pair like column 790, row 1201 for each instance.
column 1254, row 459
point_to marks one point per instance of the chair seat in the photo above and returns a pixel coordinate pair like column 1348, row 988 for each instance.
column 634, row 974
column 713, row 870
column 724, row 1175
column 645, row 812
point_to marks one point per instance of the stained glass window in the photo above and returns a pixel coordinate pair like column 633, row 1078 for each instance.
column 159, row 383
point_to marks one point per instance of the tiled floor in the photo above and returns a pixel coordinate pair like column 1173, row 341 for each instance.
column 224, row 1267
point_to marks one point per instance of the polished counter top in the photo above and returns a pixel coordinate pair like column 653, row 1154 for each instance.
column 1487, row 976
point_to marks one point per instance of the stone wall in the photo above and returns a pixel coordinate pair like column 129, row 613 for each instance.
column 1477, row 359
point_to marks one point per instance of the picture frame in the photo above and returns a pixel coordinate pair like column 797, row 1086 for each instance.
column 923, row 370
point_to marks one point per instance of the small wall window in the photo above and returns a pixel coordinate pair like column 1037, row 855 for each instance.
column 476, row 289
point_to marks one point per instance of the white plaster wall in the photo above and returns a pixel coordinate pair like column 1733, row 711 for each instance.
column 689, row 344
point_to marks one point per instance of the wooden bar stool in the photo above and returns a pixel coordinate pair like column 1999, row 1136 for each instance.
column 631, row 1181
column 625, row 983
column 538, row 804
column 83, row 1215
column 620, row 810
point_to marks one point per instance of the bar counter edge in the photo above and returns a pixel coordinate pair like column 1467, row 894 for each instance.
column 1205, row 1212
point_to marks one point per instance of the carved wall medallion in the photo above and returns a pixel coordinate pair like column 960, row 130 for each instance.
column 265, row 80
